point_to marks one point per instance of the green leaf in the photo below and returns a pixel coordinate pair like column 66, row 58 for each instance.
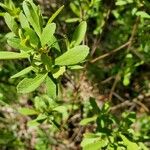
column 12, row 55
column 121, row 2
column 94, row 105
column 27, row 111
column 22, row 72
column 88, row 120
column 75, row 9
column 51, row 87
column 33, row 123
column 48, row 32
column 16, row 43
column 72, row 56
column 75, row 67
column 23, row 21
column 93, row 143
column 54, row 43
column 62, row 110
column 32, row 36
column 130, row 145
column 143, row 14
column 47, row 61
column 11, row 23
column 70, row 20
column 55, row 14
column 143, row 146
column 59, row 72
column 28, row 85
column 79, row 34
column 32, row 14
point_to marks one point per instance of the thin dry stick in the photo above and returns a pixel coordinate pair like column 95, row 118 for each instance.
column 110, row 53
column 117, row 78
column 142, row 105
column 122, row 105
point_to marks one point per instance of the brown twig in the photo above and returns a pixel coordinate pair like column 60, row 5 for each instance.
column 117, row 78
column 141, row 104
column 110, row 53
column 121, row 105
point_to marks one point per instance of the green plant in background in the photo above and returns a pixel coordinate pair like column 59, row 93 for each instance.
column 111, row 132
column 46, row 110
column 86, row 10
column 39, row 45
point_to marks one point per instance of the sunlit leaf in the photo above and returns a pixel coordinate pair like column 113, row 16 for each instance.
column 72, row 56
column 28, row 85
column 22, row 72
column 79, row 33
column 12, row 55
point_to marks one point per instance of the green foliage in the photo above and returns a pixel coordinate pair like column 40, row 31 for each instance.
column 37, row 52
column 34, row 42
column 111, row 132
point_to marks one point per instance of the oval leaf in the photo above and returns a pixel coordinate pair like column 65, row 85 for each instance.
column 79, row 33
column 73, row 56
column 28, row 85
column 47, row 34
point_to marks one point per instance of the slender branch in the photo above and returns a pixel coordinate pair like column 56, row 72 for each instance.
column 110, row 53
column 117, row 78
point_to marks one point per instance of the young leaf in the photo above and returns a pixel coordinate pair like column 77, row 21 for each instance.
column 75, row 9
column 73, row 56
column 22, row 72
column 11, row 23
column 27, row 111
column 48, row 32
column 79, row 33
column 51, row 87
column 32, row 14
column 12, row 55
column 88, row 120
column 28, row 85
column 59, row 72
column 33, row 36
column 23, row 21
column 55, row 14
